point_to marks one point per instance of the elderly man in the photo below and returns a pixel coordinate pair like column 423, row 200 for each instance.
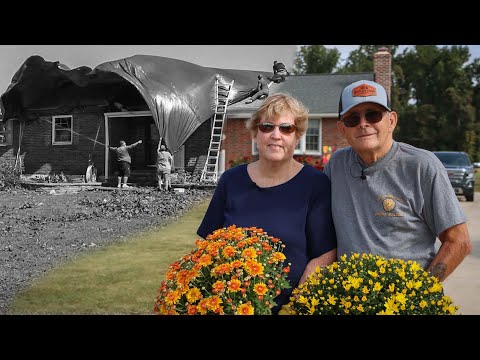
column 390, row 198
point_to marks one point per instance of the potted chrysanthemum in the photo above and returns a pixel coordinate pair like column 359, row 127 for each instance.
column 370, row 284
column 234, row 271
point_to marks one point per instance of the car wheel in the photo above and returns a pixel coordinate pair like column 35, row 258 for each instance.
column 469, row 197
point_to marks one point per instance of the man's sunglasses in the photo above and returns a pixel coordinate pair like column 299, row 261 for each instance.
column 266, row 127
column 354, row 119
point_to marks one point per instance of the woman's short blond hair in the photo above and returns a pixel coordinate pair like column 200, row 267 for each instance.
column 274, row 106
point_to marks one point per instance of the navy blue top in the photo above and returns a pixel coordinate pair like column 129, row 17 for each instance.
column 298, row 212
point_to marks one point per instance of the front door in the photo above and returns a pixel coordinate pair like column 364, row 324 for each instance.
column 131, row 127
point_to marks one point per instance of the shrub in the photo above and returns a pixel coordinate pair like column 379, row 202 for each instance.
column 9, row 175
column 310, row 160
column 241, row 160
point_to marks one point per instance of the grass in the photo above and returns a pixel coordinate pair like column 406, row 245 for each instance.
column 116, row 279
column 477, row 180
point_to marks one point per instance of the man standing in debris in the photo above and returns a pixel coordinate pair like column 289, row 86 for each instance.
column 164, row 166
column 124, row 161
column 260, row 90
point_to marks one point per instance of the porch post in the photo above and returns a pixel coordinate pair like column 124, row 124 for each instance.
column 107, row 143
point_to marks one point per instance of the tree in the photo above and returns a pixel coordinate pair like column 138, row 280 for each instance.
column 473, row 71
column 436, row 102
column 361, row 60
column 315, row 59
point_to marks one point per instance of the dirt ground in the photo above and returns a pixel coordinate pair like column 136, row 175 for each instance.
column 41, row 228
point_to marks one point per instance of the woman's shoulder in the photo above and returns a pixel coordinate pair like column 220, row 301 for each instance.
column 236, row 170
column 314, row 173
column 311, row 170
column 234, row 177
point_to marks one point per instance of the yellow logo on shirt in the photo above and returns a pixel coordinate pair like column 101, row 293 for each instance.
column 389, row 203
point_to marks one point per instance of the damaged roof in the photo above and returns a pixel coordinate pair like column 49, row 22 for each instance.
column 179, row 94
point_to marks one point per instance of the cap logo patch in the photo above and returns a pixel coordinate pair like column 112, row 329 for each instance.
column 364, row 90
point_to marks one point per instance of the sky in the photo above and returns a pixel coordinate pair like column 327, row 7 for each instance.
column 245, row 57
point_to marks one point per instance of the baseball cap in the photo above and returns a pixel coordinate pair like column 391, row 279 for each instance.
column 360, row 92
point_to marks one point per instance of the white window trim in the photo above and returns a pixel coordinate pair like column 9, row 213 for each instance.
column 8, row 132
column 53, row 130
column 302, row 150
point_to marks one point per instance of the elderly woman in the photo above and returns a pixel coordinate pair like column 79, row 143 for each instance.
column 289, row 200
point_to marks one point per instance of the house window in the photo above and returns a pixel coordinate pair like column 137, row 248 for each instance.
column 312, row 136
column 62, row 127
column 310, row 142
column 6, row 133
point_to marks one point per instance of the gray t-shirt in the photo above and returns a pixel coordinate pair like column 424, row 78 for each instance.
column 123, row 152
column 397, row 209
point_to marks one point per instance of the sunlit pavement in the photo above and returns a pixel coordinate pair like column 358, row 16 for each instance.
column 463, row 285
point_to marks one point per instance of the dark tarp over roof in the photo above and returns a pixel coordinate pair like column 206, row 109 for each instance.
column 180, row 95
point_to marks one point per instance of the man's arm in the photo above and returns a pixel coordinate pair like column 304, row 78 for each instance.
column 134, row 144
column 323, row 260
column 456, row 245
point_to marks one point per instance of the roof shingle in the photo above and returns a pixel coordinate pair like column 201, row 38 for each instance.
column 318, row 92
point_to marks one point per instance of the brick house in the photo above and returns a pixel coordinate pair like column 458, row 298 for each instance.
column 62, row 132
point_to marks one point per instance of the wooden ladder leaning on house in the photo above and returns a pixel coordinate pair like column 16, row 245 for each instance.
column 222, row 96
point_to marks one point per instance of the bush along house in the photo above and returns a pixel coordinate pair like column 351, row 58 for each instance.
column 57, row 120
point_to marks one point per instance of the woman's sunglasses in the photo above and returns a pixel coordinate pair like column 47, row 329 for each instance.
column 354, row 119
column 266, row 127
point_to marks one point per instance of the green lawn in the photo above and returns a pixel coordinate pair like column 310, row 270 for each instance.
column 117, row 279
column 477, row 180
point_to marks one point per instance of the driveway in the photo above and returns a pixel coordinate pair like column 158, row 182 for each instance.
column 463, row 285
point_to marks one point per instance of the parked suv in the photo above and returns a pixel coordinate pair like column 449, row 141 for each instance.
column 460, row 172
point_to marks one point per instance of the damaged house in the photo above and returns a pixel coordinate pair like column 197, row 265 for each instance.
column 61, row 120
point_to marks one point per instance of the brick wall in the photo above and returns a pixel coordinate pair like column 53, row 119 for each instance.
column 382, row 68
column 331, row 136
column 41, row 157
column 237, row 142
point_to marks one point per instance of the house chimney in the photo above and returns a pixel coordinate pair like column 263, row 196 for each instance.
column 382, row 68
